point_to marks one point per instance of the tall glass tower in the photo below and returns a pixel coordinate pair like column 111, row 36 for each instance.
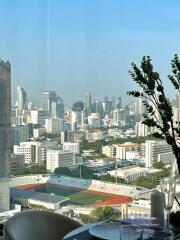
column 5, row 117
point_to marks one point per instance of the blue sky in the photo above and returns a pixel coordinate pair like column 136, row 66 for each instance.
column 75, row 46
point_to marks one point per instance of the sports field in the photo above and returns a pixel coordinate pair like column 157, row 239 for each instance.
column 79, row 196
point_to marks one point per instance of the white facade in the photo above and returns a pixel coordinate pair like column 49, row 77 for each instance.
column 21, row 98
column 118, row 117
column 121, row 149
column 132, row 155
column 154, row 150
column 94, row 120
column 93, row 135
column 77, row 119
column 59, row 158
column 128, row 173
column 54, row 125
column 72, row 147
column 39, row 116
column 30, row 150
column 141, row 130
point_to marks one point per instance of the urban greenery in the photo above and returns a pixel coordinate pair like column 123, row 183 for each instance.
column 86, row 172
column 108, row 178
column 35, row 169
column 98, row 214
column 159, row 112
column 151, row 181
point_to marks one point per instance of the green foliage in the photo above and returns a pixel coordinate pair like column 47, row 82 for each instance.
column 97, row 146
column 109, row 178
column 35, row 169
column 152, row 181
column 62, row 171
column 158, row 165
column 50, row 135
column 101, row 213
column 145, row 182
column 155, row 101
column 85, row 219
column 86, row 172
column 39, row 207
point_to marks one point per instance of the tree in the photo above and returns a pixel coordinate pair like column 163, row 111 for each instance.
column 101, row 213
column 155, row 101
column 62, row 171
column 158, row 165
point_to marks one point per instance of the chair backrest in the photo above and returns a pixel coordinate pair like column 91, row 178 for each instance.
column 38, row 225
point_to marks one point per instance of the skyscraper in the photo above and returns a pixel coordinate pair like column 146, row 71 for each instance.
column 88, row 103
column 5, row 117
column 46, row 100
column 21, row 98
column 57, row 108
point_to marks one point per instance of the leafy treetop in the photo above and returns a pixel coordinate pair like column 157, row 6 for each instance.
column 156, row 102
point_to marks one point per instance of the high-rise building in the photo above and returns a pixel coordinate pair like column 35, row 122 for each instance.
column 118, row 117
column 46, row 100
column 116, row 103
column 22, row 133
column 88, row 103
column 57, row 108
column 54, row 125
column 21, row 98
column 5, row 117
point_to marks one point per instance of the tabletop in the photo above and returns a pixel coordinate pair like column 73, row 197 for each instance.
column 82, row 233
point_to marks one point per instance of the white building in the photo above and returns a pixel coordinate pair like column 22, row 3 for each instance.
column 94, row 120
column 72, row 147
column 21, row 98
column 118, row 117
column 30, row 150
column 130, row 155
column 154, row 151
column 128, row 173
column 121, row 149
column 59, row 158
column 77, row 119
column 93, row 135
column 39, row 116
column 54, row 125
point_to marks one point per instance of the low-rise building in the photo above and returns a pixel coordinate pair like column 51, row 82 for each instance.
column 30, row 150
column 72, row 147
column 93, row 135
column 130, row 174
column 122, row 149
column 17, row 162
column 109, row 150
column 59, row 158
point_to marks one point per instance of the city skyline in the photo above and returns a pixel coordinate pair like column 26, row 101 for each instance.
column 76, row 47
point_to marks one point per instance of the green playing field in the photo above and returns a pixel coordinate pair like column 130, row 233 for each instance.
column 76, row 196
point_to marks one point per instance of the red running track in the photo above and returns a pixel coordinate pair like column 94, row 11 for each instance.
column 115, row 199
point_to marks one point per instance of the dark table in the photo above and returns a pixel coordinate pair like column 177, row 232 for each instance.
column 82, row 233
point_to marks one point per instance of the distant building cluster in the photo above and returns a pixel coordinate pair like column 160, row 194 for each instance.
column 51, row 134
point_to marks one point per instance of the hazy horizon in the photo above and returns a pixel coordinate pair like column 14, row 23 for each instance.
column 77, row 46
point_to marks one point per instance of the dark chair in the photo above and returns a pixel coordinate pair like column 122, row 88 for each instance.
column 38, row 225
